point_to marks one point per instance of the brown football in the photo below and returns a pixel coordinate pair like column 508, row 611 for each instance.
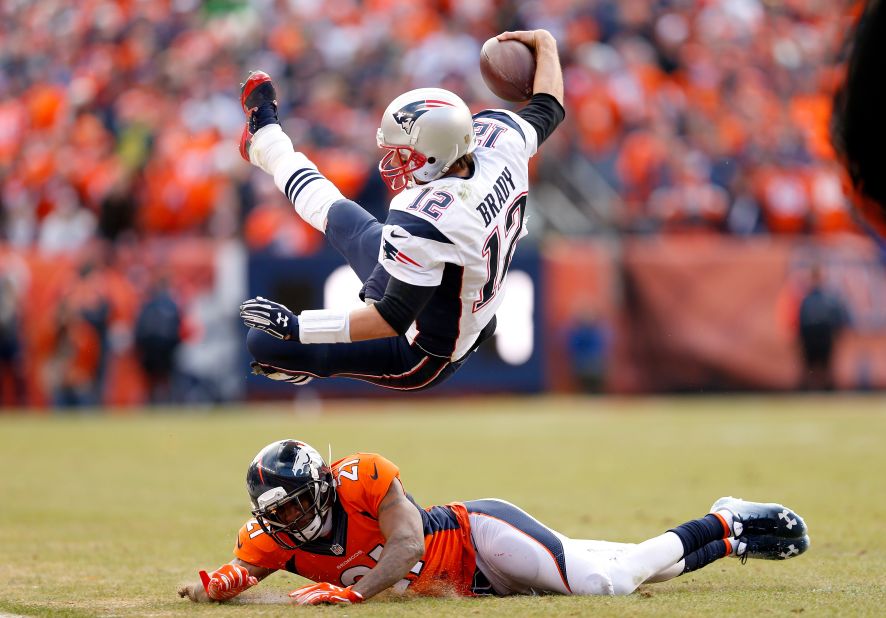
column 508, row 68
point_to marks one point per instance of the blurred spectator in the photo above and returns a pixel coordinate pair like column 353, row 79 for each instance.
column 117, row 210
column 90, row 297
column 822, row 317
column 588, row 346
column 132, row 117
column 68, row 227
column 12, row 382
column 157, row 338
column 73, row 372
column 693, row 201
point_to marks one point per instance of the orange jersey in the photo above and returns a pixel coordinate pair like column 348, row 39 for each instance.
column 356, row 542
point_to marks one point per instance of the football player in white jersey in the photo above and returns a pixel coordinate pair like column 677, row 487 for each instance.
column 434, row 273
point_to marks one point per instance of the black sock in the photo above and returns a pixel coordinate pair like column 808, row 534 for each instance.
column 697, row 533
column 706, row 555
column 265, row 114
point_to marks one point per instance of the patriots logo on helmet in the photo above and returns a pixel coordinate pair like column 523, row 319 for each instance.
column 408, row 114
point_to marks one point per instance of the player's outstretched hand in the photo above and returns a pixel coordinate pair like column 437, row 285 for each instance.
column 227, row 582
column 274, row 318
column 194, row 592
column 316, row 594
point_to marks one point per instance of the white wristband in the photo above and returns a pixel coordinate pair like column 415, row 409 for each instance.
column 324, row 326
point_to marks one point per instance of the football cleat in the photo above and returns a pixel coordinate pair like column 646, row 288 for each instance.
column 770, row 548
column 258, row 97
column 761, row 519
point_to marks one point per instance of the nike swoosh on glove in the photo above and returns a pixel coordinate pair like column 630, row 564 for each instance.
column 271, row 317
column 227, row 582
column 315, row 594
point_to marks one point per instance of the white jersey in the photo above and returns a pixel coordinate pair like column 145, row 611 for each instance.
column 459, row 235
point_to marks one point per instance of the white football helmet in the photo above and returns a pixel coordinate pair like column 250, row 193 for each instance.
column 424, row 132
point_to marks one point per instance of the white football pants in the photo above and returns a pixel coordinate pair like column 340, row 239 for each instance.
column 519, row 555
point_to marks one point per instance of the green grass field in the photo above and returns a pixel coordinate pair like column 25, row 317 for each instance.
column 107, row 515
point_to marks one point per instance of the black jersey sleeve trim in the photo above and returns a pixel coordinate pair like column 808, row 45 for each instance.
column 416, row 226
column 402, row 303
column 544, row 113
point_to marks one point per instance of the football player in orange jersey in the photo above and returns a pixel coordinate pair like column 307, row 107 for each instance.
column 353, row 530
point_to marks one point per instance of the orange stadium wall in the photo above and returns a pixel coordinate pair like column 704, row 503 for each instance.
column 697, row 314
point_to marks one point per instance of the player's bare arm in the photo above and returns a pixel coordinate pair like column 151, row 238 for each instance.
column 225, row 582
column 400, row 523
column 548, row 74
column 367, row 323
column 393, row 314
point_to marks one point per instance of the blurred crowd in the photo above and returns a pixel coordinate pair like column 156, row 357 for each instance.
column 119, row 119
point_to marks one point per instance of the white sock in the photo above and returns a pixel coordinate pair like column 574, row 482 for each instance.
column 294, row 174
column 644, row 561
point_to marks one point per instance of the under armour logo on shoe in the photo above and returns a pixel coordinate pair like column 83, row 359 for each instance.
column 791, row 550
column 789, row 521
column 284, row 320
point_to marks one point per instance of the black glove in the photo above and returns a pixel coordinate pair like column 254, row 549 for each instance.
column 273, row 318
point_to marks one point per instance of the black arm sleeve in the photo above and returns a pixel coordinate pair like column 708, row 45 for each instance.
column 402, row 303
column 543, row 112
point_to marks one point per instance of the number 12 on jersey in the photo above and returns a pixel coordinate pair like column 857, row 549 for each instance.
column 496, row 267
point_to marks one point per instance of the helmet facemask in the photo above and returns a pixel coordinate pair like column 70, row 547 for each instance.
column 296, row 518
column 409, row 159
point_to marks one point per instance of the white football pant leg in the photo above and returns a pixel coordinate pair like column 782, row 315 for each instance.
column 516, row 554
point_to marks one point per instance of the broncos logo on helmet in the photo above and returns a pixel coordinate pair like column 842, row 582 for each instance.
column 408, row 114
